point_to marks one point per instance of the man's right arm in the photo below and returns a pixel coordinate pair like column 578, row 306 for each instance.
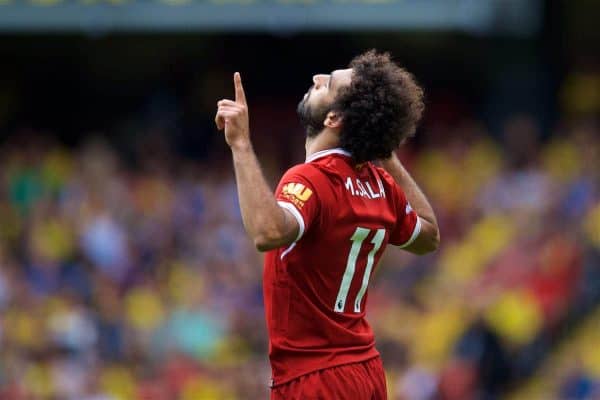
column 268, row 225
column 429, row 236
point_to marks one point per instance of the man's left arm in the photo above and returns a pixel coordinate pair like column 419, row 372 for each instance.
column 428, row 239
column 268, row 225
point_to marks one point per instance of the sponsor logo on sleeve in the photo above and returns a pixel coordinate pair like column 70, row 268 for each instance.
column 297, row 193
column 408, row 209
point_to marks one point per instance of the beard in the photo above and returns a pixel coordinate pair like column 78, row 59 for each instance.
column 311, row 118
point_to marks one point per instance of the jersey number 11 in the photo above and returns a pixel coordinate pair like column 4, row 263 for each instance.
column 357, row 240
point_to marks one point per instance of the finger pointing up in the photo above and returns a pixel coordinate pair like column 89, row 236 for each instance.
column 240, row 96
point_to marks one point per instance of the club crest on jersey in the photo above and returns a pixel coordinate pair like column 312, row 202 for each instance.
column 297, row 193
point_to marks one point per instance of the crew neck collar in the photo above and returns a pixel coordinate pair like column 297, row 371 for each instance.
column 323, row 153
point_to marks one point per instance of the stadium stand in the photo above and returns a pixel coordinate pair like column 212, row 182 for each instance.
column 122, row 282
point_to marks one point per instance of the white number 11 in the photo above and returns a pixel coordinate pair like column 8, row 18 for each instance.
column 357, row 239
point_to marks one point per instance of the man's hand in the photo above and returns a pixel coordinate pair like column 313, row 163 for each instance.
column 233, row 117
column 268, row 225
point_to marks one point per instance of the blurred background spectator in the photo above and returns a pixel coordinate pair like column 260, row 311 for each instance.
column 125, row 272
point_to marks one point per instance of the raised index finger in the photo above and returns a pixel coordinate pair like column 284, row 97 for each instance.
column 240, row 96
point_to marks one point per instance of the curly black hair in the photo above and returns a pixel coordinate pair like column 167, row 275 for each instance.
column 380, row 108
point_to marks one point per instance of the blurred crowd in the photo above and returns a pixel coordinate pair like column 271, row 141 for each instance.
column 118, row 283
column 518, row 270
column 130, row 277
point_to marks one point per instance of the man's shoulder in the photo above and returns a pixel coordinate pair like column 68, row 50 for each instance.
column 312, row 171
column 301, row 169
column 387, row 179
column 383, row 173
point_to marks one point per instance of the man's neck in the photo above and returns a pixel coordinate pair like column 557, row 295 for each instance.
column 325, row 140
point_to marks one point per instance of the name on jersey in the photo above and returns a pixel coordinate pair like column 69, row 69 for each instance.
column 360, row 188
column 297, row 193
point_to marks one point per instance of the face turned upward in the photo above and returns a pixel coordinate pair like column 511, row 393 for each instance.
column 314, row 109
column 367, row 110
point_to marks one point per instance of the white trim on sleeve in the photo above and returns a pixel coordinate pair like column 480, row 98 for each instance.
column 292, row 209
column 414, row 235
column 286, row 251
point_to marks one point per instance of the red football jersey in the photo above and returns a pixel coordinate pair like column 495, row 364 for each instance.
column 316, row 289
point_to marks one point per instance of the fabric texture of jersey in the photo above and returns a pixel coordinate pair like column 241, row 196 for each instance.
column 316, row 289
column 357, row 381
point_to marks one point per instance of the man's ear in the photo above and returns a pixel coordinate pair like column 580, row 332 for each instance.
column 333, row 120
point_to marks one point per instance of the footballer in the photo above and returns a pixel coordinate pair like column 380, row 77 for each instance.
column 329, row 222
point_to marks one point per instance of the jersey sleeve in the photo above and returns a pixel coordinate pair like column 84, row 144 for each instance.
column 298, row 194
column 408, row 224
